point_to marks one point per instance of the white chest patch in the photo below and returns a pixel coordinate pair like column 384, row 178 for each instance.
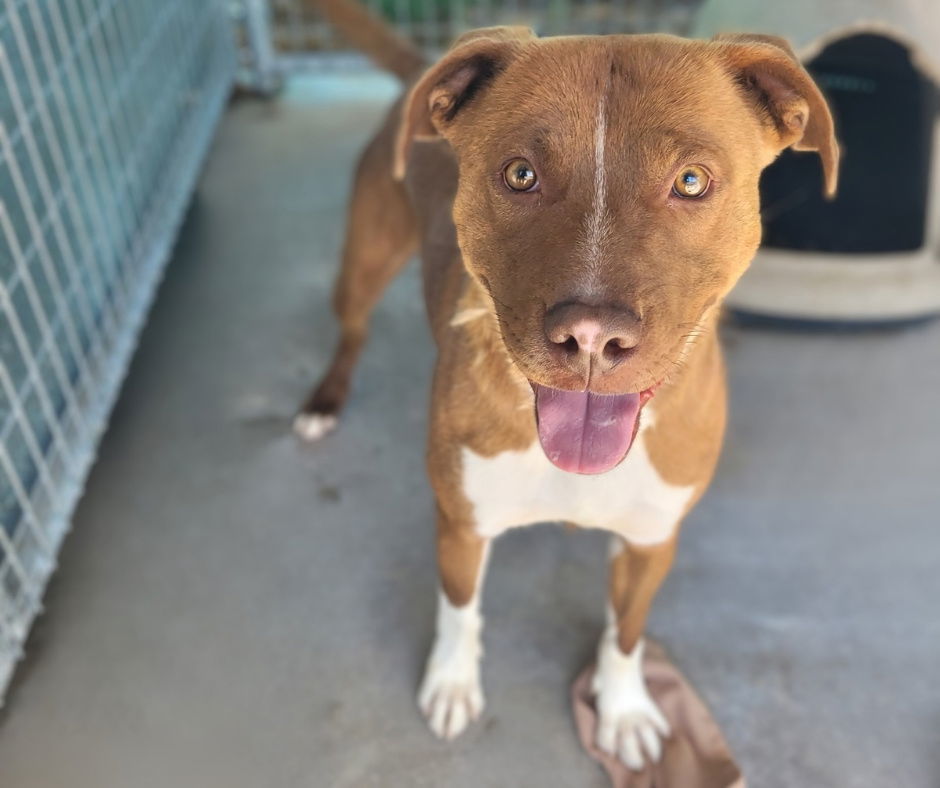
column 521, row 487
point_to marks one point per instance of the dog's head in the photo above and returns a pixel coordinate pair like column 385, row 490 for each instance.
column 608, row 200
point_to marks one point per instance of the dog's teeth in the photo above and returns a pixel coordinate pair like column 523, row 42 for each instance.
column 313, row 426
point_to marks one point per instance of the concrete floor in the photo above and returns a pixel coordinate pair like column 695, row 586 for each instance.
column 236, row 609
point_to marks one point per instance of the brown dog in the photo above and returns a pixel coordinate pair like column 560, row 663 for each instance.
column 582, row 206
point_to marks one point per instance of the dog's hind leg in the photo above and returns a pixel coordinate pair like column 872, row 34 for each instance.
column 381, row 236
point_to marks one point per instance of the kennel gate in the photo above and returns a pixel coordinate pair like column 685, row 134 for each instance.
column 107, row 110
column 282, row 36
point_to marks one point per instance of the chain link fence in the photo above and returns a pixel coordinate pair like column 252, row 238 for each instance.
column 282, row 36
column 106, row 111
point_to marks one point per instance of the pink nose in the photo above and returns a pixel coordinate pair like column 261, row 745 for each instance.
column 581, row 335
column 587, row 332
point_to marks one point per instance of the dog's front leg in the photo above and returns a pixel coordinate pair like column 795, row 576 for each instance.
column 451, row 696
column 630, row 724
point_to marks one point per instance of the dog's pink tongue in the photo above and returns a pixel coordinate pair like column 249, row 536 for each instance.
column 583, row 432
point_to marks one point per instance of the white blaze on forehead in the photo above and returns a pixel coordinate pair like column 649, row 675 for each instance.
column 597, row 227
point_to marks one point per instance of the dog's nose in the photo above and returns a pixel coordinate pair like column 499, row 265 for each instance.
column 585, row 335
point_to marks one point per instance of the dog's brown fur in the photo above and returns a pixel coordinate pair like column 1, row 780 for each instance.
column 495, row 261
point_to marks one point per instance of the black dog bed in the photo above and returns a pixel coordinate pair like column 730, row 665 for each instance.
column 884, row 108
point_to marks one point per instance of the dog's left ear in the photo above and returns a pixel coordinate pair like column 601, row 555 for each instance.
column 786, row 98
column 432, row 105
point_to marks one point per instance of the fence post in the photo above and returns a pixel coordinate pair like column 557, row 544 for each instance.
column 265, row 76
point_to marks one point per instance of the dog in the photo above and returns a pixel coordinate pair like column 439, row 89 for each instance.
column 582, row 205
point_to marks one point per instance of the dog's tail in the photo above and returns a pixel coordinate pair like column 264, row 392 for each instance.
column 372, row 36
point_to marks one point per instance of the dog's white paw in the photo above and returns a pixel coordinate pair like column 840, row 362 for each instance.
column 630, row 725
column 632, row 730
column 450, row 702
column 451, row 696
column 313, row 426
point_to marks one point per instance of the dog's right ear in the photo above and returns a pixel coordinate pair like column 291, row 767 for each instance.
column 433, row 103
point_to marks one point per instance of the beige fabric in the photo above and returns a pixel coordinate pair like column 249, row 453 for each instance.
column 695, row 756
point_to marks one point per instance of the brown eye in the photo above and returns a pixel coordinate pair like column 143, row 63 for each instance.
column 692, row 181
column 519, row 176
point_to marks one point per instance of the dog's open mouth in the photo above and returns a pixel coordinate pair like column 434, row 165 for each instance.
column 583, row 432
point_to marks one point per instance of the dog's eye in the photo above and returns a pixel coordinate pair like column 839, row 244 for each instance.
column 519, row 176
column 692, row 181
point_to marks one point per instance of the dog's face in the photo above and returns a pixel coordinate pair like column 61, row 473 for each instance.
column 608, row 193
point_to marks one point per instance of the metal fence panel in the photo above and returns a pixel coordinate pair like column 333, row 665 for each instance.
column 433, row 24
column 281, row 36
column 106, row 111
